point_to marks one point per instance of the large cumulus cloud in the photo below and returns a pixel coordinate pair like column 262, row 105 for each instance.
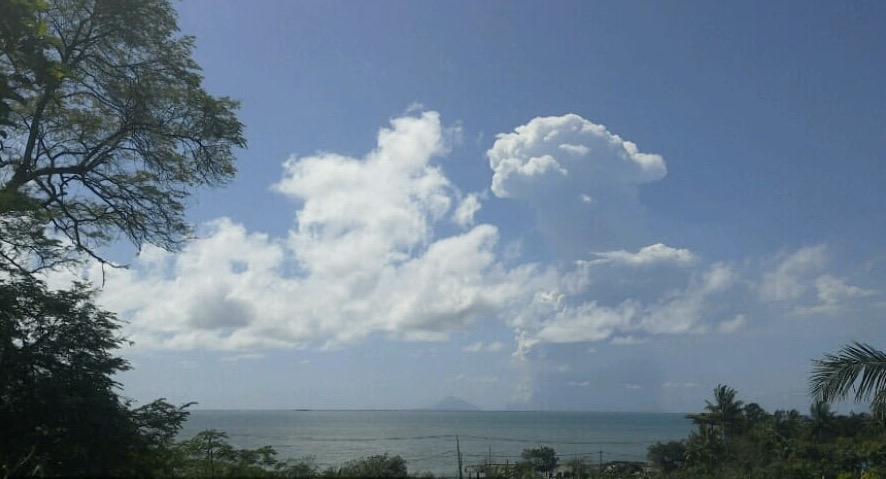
column 386, row 245
column 364, row 256
column 546, row 151
column 581, row 181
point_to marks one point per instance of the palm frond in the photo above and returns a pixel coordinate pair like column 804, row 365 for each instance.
column 857, row 368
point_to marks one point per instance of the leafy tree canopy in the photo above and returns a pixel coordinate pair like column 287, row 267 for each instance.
column 380, row 465
column 59, row 407
column 857, row 370
column 784, row 444
column 107, row 128
column 543, row 459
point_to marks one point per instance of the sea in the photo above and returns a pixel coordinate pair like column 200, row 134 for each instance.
column 431, row 441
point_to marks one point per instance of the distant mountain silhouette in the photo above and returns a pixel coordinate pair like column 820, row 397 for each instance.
column 453, row 403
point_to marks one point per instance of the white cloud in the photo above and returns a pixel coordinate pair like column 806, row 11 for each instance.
column 685, row 312
column 657, row 253
column 575, row 149
column 580, row 181
column 366, row 255
column 480, row 347
column 732, row 325
column 525, row 343
column 559, row 318
column 358, row 215
column 834, row 295
column 467, row 208
column 586, row 322
column 794, row 275
column 549, row 148
column 800, row 282
column 415, row 107
column 833, row 291
column 370, row 253
column 363, row 257
column 628, row 341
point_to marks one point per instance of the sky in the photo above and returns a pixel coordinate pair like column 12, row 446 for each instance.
column 570, row 205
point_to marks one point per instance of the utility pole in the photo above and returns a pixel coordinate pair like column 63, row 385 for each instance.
column 458, row 452
column 601, row 460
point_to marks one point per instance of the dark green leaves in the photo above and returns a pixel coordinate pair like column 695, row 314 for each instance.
column 109, row 128
column 105, row 130
column 57, row 397
column 543, row 459
column 858, row 369
column 379, row 465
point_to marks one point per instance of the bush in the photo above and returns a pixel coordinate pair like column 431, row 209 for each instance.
column 380, row 465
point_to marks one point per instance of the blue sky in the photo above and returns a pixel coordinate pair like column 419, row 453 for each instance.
column 606, row 206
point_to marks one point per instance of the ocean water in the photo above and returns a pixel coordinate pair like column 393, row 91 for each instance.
column 427, row 439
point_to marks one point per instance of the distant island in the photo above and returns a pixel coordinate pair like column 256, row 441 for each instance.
column 452, row 403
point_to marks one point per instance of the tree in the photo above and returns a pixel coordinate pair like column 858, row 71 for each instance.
column 821, row 420
column 209, row 454
column 57, row 395
column 754, row 415
column 667, row 456
column 725, row 413
column 298, row 468
column 20, row 31
column 858, row 369
column 109, row 129
column 578, row 468
column 379, row 465
column 59, row 408
column 543, row 459
column 105, row 129
column 156, row 426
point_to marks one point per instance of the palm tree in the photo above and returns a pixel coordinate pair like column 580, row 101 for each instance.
column 857, row 368
column 725, row 410
column 821, row 420
column 725, row 414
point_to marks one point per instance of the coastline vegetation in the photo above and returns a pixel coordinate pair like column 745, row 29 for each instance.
column 732, row 440
column 736, row 440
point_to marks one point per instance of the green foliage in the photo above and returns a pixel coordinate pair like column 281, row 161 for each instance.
column 59, row 406
column 668, row 456
column 108, row 126
column 381, row 465
column 543, row 459
column 301, row 468
column 21, row 34
column 524, row 470
column 858, row 369
column 783, row 444
column 104, row 130
column 209, row 454
column 157, row 425
column 578, row 469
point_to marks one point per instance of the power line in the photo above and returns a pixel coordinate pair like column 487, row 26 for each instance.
column 452, row 436
column 559, row 442
column 370, row 439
